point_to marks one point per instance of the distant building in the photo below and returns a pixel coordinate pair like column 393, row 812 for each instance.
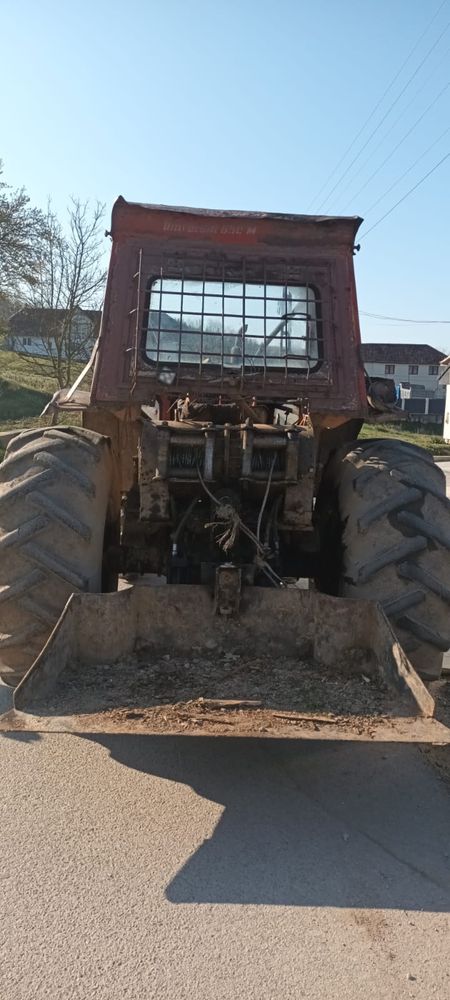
column 445, row 381
column 413, row 367
column 32, row 331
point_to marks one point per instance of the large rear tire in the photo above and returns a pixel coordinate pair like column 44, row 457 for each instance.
column 387, row 501
column 55, row 491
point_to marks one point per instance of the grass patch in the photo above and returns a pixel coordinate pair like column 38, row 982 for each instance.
column 30, row 373
column 25, row 388
column 18, row 403
column 413, row 433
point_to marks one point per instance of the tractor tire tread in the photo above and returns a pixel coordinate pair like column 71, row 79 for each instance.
column 395, row 539
column 55, row 488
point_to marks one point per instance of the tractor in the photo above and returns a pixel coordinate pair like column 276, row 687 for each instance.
column 216, row 530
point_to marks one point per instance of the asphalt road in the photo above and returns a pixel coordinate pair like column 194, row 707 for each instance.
column 205, row 869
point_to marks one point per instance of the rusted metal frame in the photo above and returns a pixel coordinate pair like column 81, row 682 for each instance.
column 222, row 361
column 318, row 325
column 137, row 310
column 227, row 592
column 188, row 439
column 226, row 449
column 182, row 475
column 163, row 452
column 218, row 335
column 317, row 389
column 322, row 325
column 325, row 303
column 346, row 359
column 292, row 278
column 243, row 339
column 307, row 328
column 285, row 287
column 157, row 333
column 338, row 346
column 215, row 224
column 355, row 320
column 181, row 319
column 265, row 320
column 145, row 326
column 347, row 391
column 317, row 295
column 269, row 441
column 208, row 467
column 160, row 331
column 247, row 449
column 292, row 456
column 257, row 475
column 200, row 360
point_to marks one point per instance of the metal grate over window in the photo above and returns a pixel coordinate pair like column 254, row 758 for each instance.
column 233, row 324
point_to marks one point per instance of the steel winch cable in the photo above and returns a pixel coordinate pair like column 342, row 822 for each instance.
column 266, row 494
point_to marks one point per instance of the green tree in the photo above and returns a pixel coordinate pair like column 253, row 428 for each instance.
column 20, row 236
column 69, row 277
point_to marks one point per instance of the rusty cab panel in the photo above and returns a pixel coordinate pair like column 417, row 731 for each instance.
column 231, row 305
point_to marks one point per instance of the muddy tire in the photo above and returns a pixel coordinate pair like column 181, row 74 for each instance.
column 393, row 545
column 55, row 492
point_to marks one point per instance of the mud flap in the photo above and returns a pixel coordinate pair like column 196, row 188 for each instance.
column 161, row 660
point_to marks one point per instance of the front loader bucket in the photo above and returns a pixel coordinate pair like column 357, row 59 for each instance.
column 289, row 663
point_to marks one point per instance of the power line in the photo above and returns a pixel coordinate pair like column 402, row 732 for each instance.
column 394, row 125
column 406, row 172
column 393, row 326
column 386, row 115
column 405, row 196
column 402, row 140
column 401, row 319
column 377, row 105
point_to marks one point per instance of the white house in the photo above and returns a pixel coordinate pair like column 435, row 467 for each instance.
column 445, row 381
column 33, row 330
column 415, row 367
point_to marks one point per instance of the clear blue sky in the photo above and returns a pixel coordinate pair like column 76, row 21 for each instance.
column 244, row 105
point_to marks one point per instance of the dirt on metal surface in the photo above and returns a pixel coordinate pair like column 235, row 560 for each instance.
column 224, row 690
column 158, row 660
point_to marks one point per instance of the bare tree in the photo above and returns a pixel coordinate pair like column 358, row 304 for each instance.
column 20, row 236
column 69, row 278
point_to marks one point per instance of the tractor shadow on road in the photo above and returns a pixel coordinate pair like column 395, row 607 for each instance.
column 307, row 824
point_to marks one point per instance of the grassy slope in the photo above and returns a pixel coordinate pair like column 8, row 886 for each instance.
column 24, row 391
column 25, row 388
column 18, row 404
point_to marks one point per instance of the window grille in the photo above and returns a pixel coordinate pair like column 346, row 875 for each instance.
column 231, row 323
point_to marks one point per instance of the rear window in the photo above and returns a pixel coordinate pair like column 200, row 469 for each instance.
column 232, row 325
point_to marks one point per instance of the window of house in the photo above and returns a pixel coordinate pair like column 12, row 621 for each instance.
column 432, row 369
column 389, row 369
column 26, row 341
column 81, row 326
column 413, row 370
